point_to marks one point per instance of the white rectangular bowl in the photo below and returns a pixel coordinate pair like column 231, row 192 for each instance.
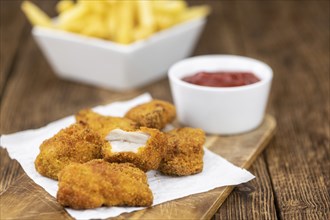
column 114, row 66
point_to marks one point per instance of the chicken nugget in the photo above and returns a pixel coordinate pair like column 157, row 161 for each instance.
column 185, row 152
column 76, row 143
column 144, row 148
column 154, row 114
column 104, row 124
column 97, row 183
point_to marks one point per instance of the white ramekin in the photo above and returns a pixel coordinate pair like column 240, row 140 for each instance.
column 115, row 66
column 216, row 110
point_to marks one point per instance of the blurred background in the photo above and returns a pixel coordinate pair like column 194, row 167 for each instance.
column 291, row 36
column 286, row 35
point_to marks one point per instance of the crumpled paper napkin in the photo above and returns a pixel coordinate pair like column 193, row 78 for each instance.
column 24, row 147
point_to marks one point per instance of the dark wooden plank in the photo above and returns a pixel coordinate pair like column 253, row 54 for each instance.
column 222, row 34
column 34, row 96
column 12, row 24
column 14, row 31
column 37, row 202
column 15, row 51
column 34, row 82
column 43, row 96
column 9, row 170
column 224, row 26
column 16, row 200
column 252, row 200
column 294, row 39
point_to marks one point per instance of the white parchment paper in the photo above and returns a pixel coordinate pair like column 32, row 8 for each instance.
column 24, row 147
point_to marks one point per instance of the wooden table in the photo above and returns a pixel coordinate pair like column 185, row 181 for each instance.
column 291, row 36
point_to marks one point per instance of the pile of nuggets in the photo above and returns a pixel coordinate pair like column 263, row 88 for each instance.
column 102, row 160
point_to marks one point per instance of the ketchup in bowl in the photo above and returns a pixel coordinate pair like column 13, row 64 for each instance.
column 222, row 79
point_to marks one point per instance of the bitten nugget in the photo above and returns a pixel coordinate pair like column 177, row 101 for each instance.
column 154, row 114
column 97, row 183
column 104, row 124
column 76, row 143
column 144, row 148
column 184, row 152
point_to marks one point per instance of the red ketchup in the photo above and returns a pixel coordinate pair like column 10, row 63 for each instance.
column 222, row 79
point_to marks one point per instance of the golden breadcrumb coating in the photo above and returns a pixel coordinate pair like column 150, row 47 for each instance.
column 76, row 143
column 148, row 156
column 154, row 114
column 104, row 124
column 184, row 152
column 97, row 183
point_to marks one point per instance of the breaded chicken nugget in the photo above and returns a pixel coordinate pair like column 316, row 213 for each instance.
column 97, row 183
column 184, row 152
column 104, row 124
column 154, row 114
column 76, row 143
column 144, row 148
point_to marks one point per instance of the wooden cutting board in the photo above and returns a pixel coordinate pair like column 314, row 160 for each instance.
column 26, row 200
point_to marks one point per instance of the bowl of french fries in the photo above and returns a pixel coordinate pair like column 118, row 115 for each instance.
column 116, row 44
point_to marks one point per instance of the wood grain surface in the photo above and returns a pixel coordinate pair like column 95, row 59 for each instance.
column 26, row 200
column 293, row 179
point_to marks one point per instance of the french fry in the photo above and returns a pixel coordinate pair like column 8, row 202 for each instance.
column 168, row 12
column 112, row 2
column 141, row 33
column 73, row 19
column 95, row 27
column 64, row 5
column 35, row 15
column 94, row 6
column 194, row 12
column 170, row 8
column 111, row 22
column 164, row 22
column 121, row 21
column 146, row 19
column 125, row 21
